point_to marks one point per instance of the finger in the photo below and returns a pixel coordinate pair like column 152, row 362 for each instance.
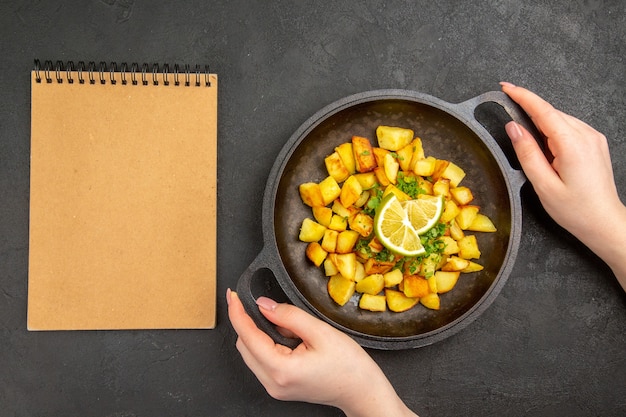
column 536, row 106
column 261, row 370
column 247, row 357
column 531, row 156
column 245, row 327
column 265, row 364
column 286, row 332
column 547, row 119
column 294, row 320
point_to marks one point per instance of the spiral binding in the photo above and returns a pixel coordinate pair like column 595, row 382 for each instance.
column 136, row 75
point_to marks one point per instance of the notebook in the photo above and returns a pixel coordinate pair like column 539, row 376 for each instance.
column 123, row 186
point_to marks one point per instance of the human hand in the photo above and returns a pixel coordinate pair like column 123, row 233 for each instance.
column 328, row 367
column 577, row 187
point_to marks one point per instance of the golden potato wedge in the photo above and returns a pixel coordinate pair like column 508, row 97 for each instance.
column 311, row 194
column 363, row 198
column 454, row 173
column 415, row 286
column 401, row 195
column 451, row 247
column 340, row 210
column 371, row 284
column 375, row 245
column 462, row 195
column 404, row 157
column 379, row 155
column 311, row 231
column 455, row 263
column 330, row 190
column 381, row 177
column 418, row 153
column 338, row 223
column 442, row 187
column 329, row 267
column 329, row 241
column 393, row 278
column 372, row 266
column 482, row 223
column 468, row 247
column 335, row 167
column 392, row 167
column 366, row 179
column 322, row 215
column 446, row 280
column 466, row 216
column 425, row 185
column 347, row 156
column 450, row 211
column 455, row 231
column 360, row 272
column 393, row 138
column 440, row 167
column 363, row 154
column 362, row 223
column 473, row 267
column 345, row 263
column 432, row 284
column 316, row 253
column 340, row 289
column 350, row 191
column 431, row 301
column 346, row 241
column 398, row 302
column 425, row 167
column 373, row 302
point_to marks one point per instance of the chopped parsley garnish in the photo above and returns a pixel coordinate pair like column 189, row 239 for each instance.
column 385, row 256
column 374, row 201
column 430, row 240
column 362, row 245
column 409, row 185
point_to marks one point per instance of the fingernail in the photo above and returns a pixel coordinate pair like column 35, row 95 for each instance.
column 266, row 303
column 513, row 130
column 228, row 295
column 506, row 84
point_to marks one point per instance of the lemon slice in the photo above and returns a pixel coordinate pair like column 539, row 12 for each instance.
column 393, row 228
column 424, row 212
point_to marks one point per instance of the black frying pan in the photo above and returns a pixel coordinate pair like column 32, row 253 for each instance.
column 448, row 131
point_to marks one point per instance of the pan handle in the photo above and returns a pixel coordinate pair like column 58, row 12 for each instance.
column 514, row 111
column 253, row 278
column 512, row 108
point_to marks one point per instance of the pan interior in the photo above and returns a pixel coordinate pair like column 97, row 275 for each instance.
column 444, row 137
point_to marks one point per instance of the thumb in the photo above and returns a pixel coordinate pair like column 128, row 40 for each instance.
column 293, row 319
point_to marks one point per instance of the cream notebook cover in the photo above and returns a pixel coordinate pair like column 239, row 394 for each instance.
column 123, row 187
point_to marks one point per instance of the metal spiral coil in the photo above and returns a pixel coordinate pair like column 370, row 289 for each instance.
column 136, row 74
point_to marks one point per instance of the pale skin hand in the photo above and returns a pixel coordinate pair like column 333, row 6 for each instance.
column 577, row 188
column 328, row 367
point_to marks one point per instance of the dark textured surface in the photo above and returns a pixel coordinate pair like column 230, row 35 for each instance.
column 552, row 344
